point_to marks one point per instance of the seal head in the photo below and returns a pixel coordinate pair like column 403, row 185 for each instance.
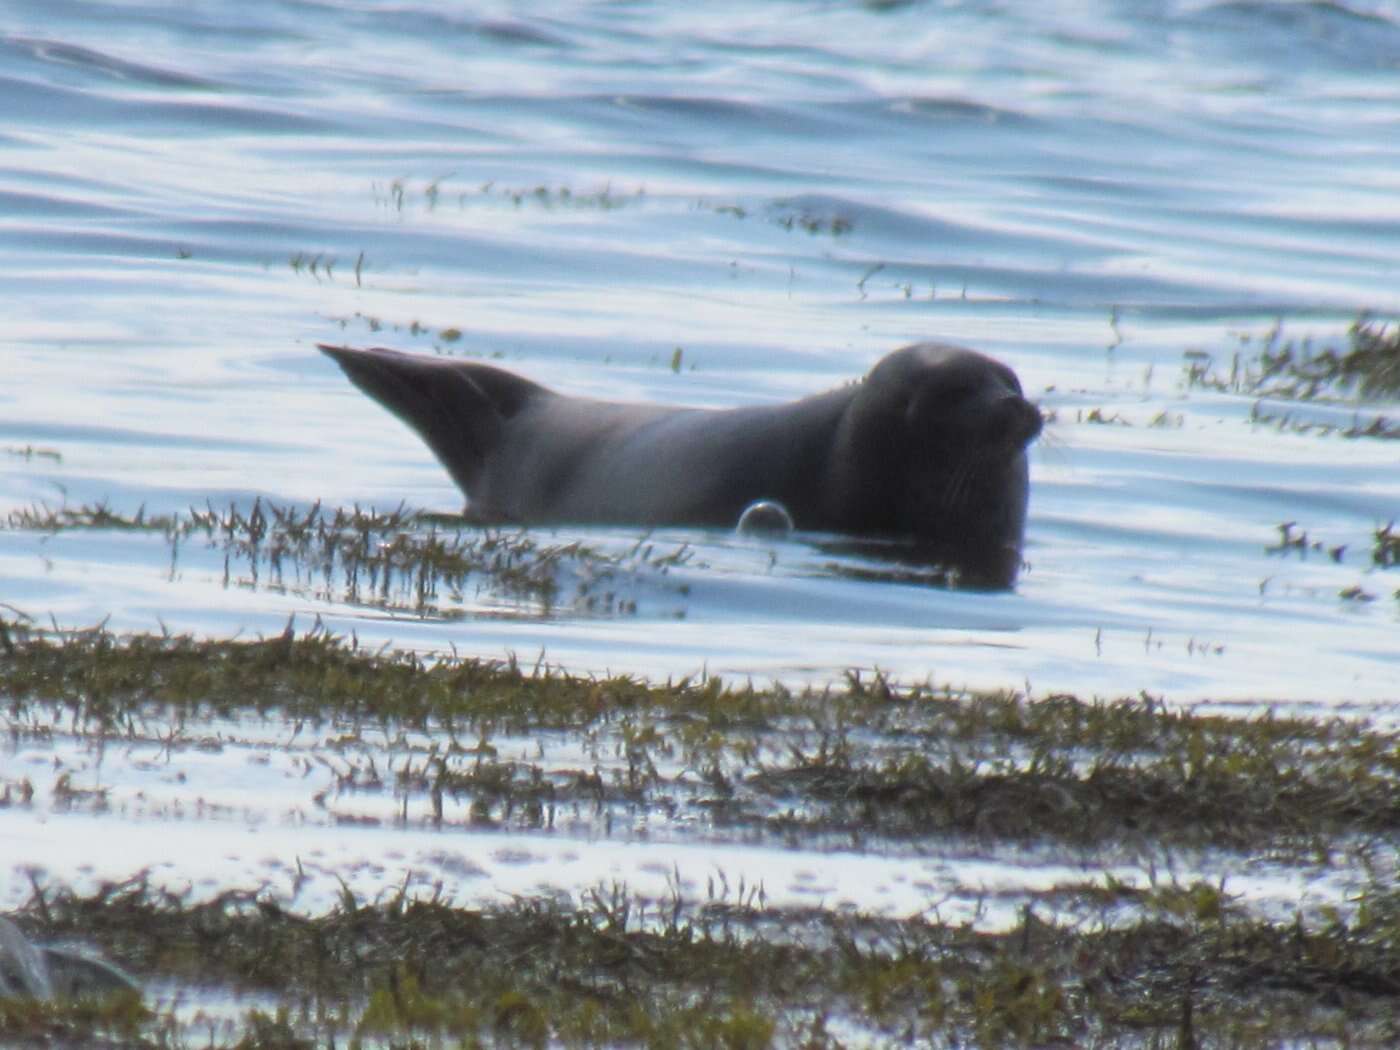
column 932, row 447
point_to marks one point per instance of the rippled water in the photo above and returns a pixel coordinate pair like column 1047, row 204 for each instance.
column 192, row 196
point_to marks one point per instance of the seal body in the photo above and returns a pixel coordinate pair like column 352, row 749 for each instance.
column 928, row 447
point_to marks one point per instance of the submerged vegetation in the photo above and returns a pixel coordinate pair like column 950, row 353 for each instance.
column 30, row 452
column 421, row 973
column 868, row 761
column 1284, row 370
column 1385, row 545
column 401, row 560
column 1299, row 371
column 400, row 194
column 868, row 765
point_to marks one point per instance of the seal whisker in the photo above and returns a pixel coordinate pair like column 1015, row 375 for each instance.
column 955, row 490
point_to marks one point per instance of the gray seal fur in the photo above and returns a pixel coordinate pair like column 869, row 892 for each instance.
column 929, row 447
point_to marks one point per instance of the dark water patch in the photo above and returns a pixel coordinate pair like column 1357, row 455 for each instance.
column 772, row 174
column 49, row 181
column 32, row 104
column 27, row 102
column 1258, row 313
column 90, row 243
column 1323, row 238
column 184, row 27
column 460, row 30
column 336, row 253
column 1099, row 187
column 731, row 113
column 214, row 119
column 513, row 31
column 385, row 147
column 1306, row 32
column 268, row 234
column 808, row 68
column 906, row 229
column 88, row 61
column 59, row 433
column 885, row 281
column 715, row 118
column 917, row 113
column 35, row 205
column 1318, row 236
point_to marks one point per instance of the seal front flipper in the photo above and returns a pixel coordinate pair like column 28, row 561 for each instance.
column 458, row 407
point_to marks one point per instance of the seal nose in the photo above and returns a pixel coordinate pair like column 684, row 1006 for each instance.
column 1030, row 423
column 1018, row 420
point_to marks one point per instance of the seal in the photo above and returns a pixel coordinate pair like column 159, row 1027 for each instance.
column 43, row 972
column 929, row 447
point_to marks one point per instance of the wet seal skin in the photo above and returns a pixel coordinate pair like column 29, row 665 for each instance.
column 928, row 448
column 45, row 972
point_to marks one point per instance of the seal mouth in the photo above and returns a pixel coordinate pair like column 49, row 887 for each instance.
column 967, row 486
column 972, row 511
column 978, row 486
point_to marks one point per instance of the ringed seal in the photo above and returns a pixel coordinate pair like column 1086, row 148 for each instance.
column 928, row 447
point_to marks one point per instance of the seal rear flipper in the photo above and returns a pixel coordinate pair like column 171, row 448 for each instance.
column 457, row 407
column 78, row 975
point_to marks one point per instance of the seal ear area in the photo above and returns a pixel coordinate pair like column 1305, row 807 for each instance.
column 457, row 407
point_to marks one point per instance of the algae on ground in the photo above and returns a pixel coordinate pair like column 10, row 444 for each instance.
column 865, row 763
column 615, row 970
column 867, row 757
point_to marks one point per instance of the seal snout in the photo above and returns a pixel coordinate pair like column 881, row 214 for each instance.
column 1022, row 421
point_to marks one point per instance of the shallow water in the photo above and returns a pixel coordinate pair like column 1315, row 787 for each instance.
column 192, row 197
